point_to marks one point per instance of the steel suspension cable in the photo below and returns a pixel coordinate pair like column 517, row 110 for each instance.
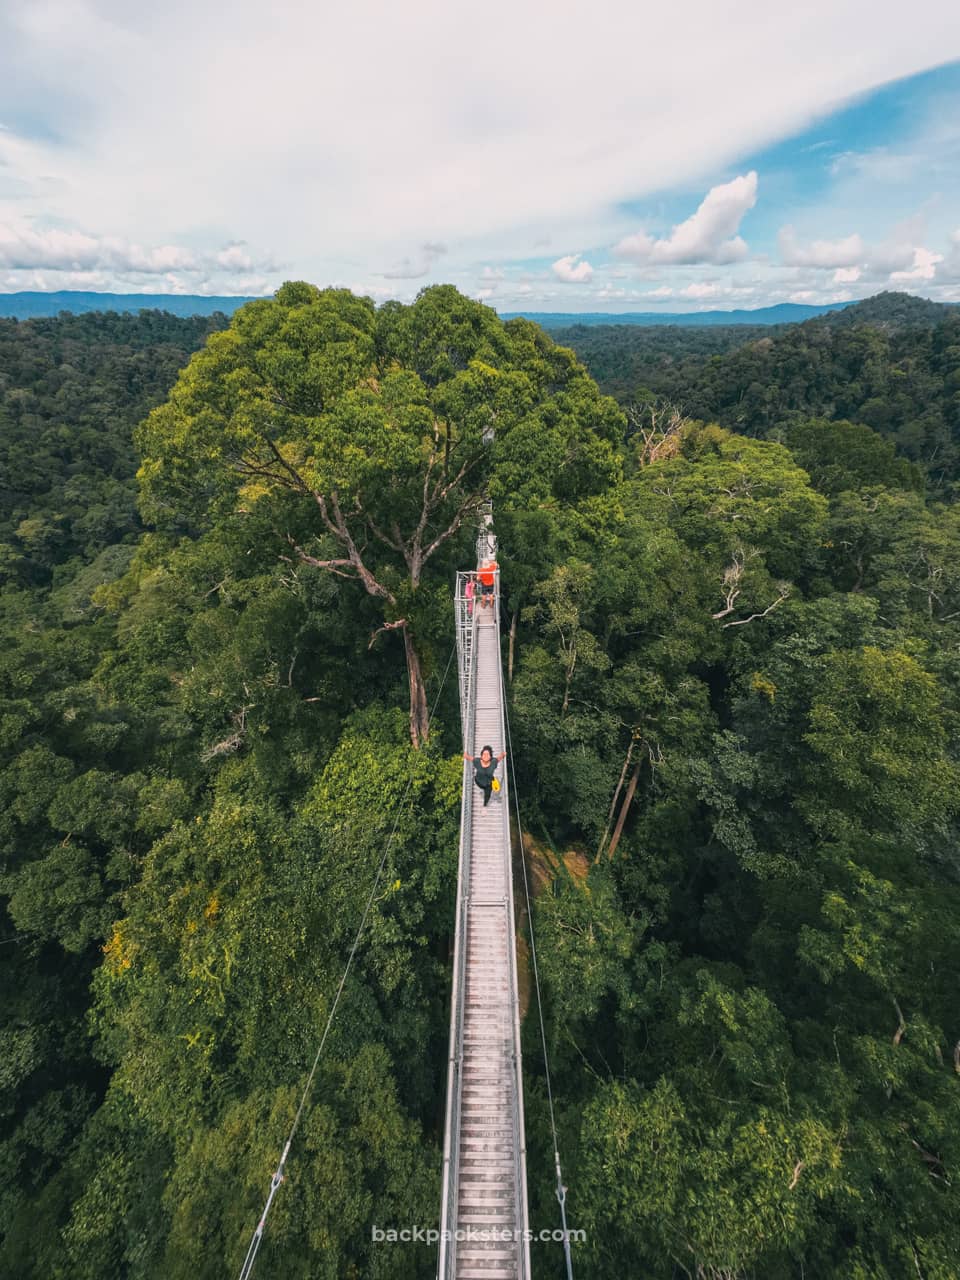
column 561, row 1190
column 247, row 1269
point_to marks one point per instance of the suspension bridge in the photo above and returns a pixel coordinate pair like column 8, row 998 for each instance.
column 484, row 1220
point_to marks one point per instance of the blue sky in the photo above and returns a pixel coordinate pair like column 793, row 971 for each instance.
column 883, row 167
column 696, row 158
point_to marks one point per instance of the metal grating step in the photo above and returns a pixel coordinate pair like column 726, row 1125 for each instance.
column 485, row 1179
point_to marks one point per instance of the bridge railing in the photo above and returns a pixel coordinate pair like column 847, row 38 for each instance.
column 519, row 1129
column 467, row 612
column 466, row 600
column 466, row 604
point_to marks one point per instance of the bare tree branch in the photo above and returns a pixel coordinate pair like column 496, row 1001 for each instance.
column 443, row 492
column 293, row 663
column 742, row 622
column 934, row 1164
column 898, row 1034
column 729, row 605
column 387, row 626
column 234, row 741
column 321, row 502
column 659, row 426
column 425, row 504
column 333, row 566
column 732, row 576
column 338, row 526
column 394, row 543
column 473, row 503
column 291, row 471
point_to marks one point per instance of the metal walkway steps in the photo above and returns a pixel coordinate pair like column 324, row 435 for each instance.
column 484, row 1207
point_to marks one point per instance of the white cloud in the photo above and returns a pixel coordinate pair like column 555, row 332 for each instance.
column 924, row 267
column 21, row 247
column 235, row 258
column 70, row 259
column 571, row 271
column 847, row 252
column 699, row 291
column 417, row 267
column 43, row 282
column 253, row 286
column 490, row 281
column 893, row 255
column 900, row 259
column 248, row 142
column 951, row 263
column 379, row 292
column 879, row 165
column 663, row 292
column 709, row 235
column 527, row 296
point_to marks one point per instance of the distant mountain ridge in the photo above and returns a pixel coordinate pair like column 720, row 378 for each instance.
column 28, row 306
column 781, row 313
column 883, row 310
column 887, row 309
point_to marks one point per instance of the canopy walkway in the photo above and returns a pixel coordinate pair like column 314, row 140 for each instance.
column 484, row 1223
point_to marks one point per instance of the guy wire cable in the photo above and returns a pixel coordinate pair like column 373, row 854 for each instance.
column 247, row 1268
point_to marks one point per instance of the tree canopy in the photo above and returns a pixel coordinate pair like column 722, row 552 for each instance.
column 366, row 440
column 731, row 639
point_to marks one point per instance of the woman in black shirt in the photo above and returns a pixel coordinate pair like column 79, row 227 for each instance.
column 485, row 767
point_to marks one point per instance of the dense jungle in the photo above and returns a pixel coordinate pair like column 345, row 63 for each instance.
column 731, row 608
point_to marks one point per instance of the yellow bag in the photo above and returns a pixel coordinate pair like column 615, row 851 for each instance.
column 495, row 785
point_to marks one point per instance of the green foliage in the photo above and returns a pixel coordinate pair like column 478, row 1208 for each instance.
column 624, row 357
column 757, row 497
column 750, row 1007
column 71, row 392
column 364, row 443
column 735, row 639
column 846, row 455
column 875, row 364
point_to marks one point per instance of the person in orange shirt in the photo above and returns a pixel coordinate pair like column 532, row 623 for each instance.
column 488, row 577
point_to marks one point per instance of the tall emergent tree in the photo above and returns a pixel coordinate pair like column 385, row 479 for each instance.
column 371, row 437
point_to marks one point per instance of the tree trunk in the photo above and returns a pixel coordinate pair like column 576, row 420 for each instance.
column 513, row 637
column 627, row 799
column 616, row 797
column 566, row 687
column 419, row 713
